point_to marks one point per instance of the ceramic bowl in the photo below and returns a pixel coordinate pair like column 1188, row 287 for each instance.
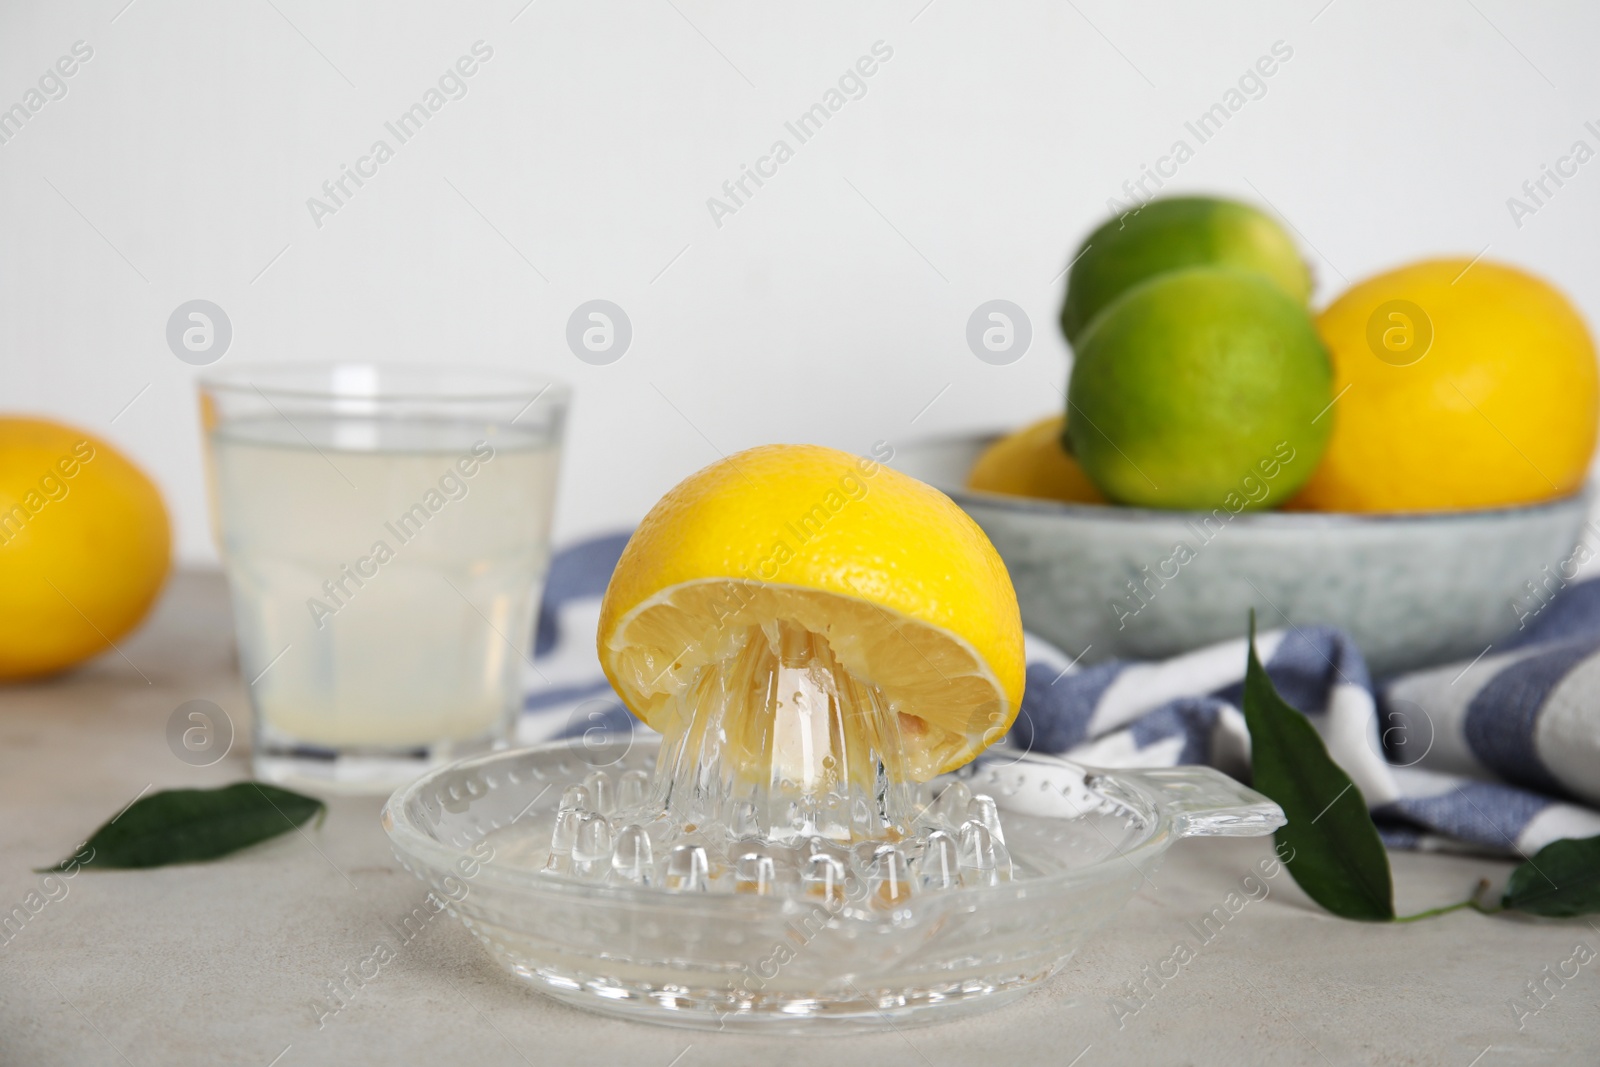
column 1412, row 589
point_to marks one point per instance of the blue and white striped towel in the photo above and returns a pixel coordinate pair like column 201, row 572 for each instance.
column 1501, row 754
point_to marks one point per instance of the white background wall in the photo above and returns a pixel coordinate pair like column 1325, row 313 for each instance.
column 831, row 307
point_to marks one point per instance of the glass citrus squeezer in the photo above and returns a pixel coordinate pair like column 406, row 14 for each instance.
column 813, row 840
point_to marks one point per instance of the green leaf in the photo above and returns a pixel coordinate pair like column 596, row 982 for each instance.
column 1562, row 880
column 191, row 825
column 1329, row 843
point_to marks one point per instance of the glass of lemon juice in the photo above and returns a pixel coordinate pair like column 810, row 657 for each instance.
column 385, row 532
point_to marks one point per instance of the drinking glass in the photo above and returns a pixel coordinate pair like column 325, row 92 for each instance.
column 385, row 531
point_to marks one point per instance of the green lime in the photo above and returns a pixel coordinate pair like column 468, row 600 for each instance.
column 1170, row 234
column 1200, row 389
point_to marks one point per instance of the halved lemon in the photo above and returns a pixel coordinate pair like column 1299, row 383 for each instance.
column 911, row 600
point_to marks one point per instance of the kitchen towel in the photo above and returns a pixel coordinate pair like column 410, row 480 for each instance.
column 1500, row 754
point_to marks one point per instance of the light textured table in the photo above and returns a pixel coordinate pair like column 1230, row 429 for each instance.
column 222, row 963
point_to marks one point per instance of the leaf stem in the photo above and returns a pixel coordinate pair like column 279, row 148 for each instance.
column 1431, row 912
column 1471, row 902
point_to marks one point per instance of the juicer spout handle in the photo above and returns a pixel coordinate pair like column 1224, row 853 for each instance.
column 1204, row 802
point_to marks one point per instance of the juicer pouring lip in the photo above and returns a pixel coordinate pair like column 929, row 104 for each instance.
column 1194, row 800
column 1203, row 802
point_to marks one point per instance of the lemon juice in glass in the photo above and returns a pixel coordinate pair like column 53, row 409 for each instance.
column 385, row 532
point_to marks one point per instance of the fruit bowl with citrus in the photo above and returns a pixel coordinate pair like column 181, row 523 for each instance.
column 818, row 828
column 1408, row 463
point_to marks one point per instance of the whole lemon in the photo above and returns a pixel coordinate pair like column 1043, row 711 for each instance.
column 1459, row 385
column 1030, row 462
column 1198, row 390
column 84, row 546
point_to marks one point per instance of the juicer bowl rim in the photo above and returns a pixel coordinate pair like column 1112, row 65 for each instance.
column 407, row 837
